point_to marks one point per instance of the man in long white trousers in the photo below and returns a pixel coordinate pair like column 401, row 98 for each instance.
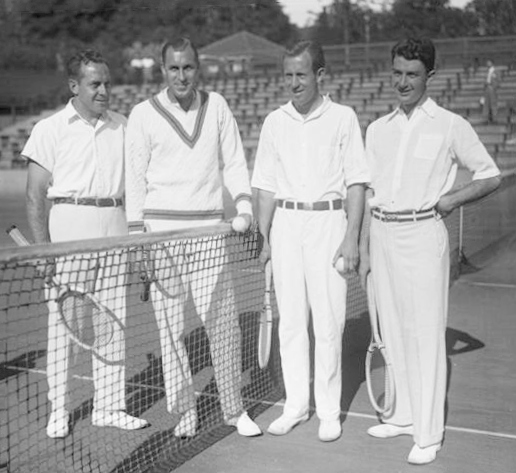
column 310, row 159
column 413, row 154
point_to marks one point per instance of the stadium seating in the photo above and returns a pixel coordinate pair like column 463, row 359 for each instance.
column 368, row 92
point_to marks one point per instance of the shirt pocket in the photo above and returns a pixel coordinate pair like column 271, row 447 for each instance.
column 428, row 146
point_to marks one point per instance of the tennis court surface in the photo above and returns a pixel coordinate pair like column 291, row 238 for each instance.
column 481, row 422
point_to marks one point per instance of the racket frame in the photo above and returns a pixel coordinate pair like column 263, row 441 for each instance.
column 63, row 291
column 376, row 344
column 265, row 326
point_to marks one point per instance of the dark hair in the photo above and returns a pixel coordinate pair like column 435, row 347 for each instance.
column 179, row 44
column 73, row 66
column 313, row 48
column 422, row 49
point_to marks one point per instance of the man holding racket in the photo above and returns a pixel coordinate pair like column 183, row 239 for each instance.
column 310, row 160
column 175, row 144
column 413, row 153
column 76, row 165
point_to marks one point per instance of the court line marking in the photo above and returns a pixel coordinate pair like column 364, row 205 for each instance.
column 489, row 284
column 465, row 430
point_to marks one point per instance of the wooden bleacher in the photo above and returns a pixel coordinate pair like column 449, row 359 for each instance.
column 368, row 92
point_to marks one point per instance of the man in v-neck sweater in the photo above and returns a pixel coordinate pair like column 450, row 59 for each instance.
column 175, row 143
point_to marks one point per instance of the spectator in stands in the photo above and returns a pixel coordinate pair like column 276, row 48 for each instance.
column 490, row 102
column 76, row 163
column 175, row 143
column 310, row 160
column 413, row 153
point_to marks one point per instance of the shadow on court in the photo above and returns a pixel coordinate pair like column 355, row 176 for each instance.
column 481, row 421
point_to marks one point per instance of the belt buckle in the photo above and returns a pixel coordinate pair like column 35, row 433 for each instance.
column 390, row 217
column 307, row 206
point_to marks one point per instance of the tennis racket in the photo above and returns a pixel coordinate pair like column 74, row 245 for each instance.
column 88, row 323
column 145, row 275
column 265, row 328
column 378, row 370
column 165, row 267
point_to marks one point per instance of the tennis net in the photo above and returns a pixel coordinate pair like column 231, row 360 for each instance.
column 211, row 284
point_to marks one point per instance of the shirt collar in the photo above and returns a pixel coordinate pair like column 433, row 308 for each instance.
column 428, row 106
column 72, row 114
column 166, row 101
column 289, row 109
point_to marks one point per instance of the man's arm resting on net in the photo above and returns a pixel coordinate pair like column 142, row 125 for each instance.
column 474, row 190
column 37, row 204
column 348, row 249
column 266, row 207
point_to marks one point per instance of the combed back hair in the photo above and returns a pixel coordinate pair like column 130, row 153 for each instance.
column 178, row 44
column 313, row 48
column 73, row 66
column 416, row 48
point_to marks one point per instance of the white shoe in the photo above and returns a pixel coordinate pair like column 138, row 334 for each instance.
column 245, row 425
column 329, row 430
column 387, row 431
column 283, row 424
column 58, row 424
column 422, row 456
column 118, row 419
column 187, row 426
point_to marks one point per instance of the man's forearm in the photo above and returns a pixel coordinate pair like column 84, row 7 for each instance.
column 266, row 207
column 355, row 210
column 471, row 192
column 37, row 215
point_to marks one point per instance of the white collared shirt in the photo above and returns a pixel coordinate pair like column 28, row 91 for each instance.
column 84, row 160
column 414, row 161
column 311, row 158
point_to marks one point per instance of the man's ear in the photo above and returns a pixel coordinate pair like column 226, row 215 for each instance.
column 74, row 86
column 320, row 74
column 430, row 75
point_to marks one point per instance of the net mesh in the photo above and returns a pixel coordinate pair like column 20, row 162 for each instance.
column 192, row 347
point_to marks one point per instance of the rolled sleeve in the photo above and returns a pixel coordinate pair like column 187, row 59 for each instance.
column 40, row 146
column 471, row 152
column 264, row 174
column 356, row 170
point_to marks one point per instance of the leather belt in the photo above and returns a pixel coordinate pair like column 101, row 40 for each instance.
column 95, row 201
column 403, row 216
column 321, row 205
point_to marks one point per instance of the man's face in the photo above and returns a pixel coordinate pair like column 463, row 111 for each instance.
column 92, row 90
column 302, row 81
column 410, row 80
column 181, row 72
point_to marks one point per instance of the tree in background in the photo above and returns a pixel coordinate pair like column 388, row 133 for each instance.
column 494, row 17
column 112, row 25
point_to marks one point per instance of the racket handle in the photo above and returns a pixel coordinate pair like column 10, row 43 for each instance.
column 17, row 236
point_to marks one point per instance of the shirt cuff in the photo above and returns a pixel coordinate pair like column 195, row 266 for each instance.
column 244, row 206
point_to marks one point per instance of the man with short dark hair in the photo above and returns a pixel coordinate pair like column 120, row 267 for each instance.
column 310, row 161
column 174, row 142
column 76, row 161
column 413, row 153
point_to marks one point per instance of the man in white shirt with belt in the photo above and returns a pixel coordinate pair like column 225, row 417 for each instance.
column 310, row 160
column 413, row 153
column 76, row 161
column 176, row 141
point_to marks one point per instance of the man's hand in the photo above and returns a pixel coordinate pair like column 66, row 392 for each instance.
column 242, row 222
column 348, row 251
column 48, row 270
column 444, row 207
column 265, row 253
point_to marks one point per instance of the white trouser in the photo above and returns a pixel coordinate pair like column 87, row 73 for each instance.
column 410, row 265
column 74, row 222
column 206, row 275
column 303, row 244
